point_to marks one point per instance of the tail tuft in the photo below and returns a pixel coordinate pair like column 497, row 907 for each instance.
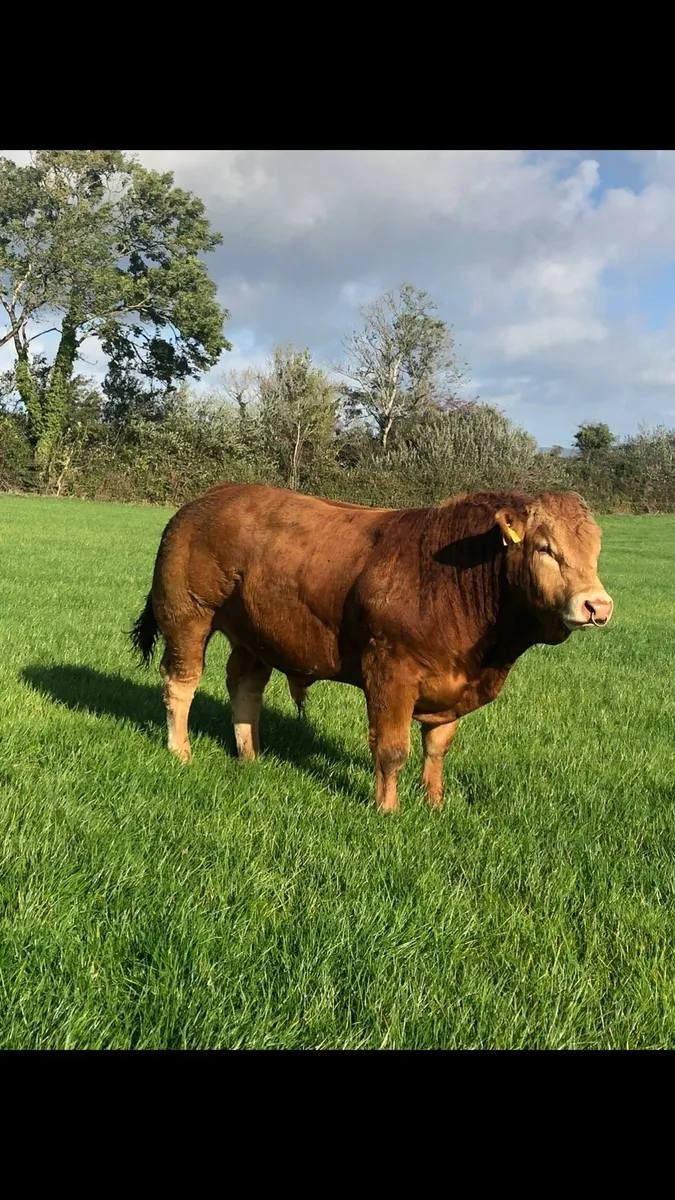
column 145, row 632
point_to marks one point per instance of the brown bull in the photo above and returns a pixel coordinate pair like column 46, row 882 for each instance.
column 425, row 609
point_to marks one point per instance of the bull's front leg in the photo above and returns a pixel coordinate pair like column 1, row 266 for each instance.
column 391, row 701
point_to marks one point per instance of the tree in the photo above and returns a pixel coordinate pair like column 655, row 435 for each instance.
column 93, row 244
column 241, row 387
column 593, row 438
column 298, row 406
column 402, row 361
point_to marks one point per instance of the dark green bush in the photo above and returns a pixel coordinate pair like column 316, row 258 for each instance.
column 17, row 469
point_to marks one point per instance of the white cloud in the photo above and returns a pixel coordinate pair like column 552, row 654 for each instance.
column 565, row 283
column 242, row 297
column 534, row 337
column 577, row 191
column 356, row 292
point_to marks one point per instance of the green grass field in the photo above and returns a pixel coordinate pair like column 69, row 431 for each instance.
column 145, row 904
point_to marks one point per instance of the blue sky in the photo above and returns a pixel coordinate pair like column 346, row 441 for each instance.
column 556, row 269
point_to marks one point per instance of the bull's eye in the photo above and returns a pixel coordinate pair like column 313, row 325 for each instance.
column 546, row 550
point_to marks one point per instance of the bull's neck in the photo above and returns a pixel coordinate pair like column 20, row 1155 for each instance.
column 477, row 602
column 497, row 630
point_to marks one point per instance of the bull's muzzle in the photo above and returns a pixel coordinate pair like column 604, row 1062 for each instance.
column 587, row 610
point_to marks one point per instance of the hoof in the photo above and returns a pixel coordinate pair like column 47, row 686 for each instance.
column 391, row 806
column 435, row 802
column 182, row 753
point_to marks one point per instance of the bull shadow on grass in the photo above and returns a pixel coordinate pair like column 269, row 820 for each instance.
column 292, row 740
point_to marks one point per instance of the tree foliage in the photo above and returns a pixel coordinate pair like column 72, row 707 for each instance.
column 92, row 244
column 469, row 448
column 298, row 408
column 593, row 438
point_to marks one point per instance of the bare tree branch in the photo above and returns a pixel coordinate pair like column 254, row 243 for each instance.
column 241, row 387
column 401, row 361
column 42, row 333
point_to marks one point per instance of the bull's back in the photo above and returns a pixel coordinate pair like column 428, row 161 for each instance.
column 274, row 567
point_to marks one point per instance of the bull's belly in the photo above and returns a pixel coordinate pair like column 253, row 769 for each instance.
column 291, row 642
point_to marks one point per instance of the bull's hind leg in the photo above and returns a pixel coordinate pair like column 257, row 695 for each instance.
column 436, row 741
column 181, row 669
column 247, row 678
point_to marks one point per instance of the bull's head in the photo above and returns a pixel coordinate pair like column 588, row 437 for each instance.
column 553, row 545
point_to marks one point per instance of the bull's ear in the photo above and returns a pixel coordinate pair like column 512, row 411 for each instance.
column 511, row 525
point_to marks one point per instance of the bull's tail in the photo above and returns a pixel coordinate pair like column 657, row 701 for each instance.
column 145, row 632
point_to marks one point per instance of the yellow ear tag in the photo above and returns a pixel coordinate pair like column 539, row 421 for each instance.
column 513, row 535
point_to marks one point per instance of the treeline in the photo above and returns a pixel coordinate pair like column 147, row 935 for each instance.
column 290, row 425
column 92, row 245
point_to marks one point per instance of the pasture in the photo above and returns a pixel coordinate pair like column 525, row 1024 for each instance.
column 144, row 904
